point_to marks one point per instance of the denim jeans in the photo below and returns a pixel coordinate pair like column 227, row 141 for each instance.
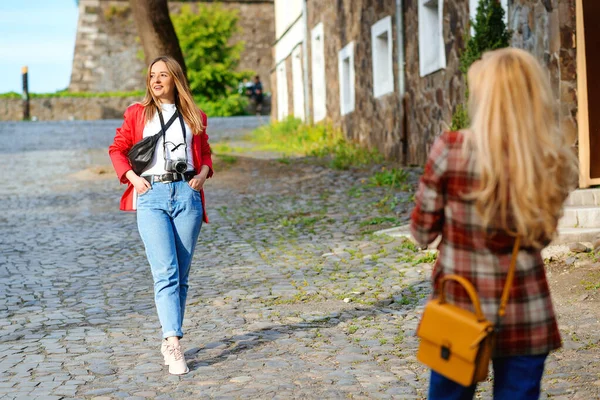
column 515, row 378
column 169, row 218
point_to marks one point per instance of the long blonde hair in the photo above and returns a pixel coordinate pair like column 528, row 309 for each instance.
column 525, row 165
column 183, row 96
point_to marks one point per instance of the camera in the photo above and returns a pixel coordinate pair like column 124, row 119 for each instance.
column 179, row 165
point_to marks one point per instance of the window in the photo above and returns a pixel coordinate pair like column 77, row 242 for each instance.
column 282, row 92
column 346, row 67
column 432, row 52
column 318, row 73
column 298, row 84
column 381, row 43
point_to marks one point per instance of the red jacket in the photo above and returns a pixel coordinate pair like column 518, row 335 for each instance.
column 131, row 132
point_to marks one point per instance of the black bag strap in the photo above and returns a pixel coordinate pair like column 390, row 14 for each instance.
column 164, row 127
column 169, row 123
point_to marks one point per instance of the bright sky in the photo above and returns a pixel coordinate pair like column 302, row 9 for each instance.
column 39, row 34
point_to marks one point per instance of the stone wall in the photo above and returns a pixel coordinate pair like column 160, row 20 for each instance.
column 106, row 49
column 108, row 52
column 547, row 28
column 67, row 108
column 375, row 122
column 431, row 100
column 84, row 108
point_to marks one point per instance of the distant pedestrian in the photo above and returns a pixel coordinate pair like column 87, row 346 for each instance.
column 245, row 87
column 257, row 94
column 168, row 195
column 506, row 176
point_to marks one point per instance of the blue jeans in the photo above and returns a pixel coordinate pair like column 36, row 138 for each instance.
column 515, row 378
column 169, row 218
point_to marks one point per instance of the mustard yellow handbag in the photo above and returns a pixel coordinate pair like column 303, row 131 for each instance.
column 455, row 342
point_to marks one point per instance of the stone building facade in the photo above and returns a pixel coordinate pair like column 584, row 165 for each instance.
column 108, row 52
column 388, row 70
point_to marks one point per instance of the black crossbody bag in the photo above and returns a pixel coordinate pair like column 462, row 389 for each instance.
column 141, row 153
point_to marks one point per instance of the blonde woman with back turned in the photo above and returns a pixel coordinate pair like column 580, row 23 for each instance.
column 506, row 176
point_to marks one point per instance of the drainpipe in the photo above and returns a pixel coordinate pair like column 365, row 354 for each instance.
column 305, row 60
column 401, row 78
column 400, row 34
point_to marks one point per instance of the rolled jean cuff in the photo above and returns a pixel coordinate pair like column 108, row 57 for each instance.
column 179, row 334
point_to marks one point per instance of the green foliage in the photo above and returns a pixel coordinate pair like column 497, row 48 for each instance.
column 379, row 221
column 227, row 159
column 407, row 245
column 116, row 12
column 226, row 106
column 345, row 154
column 392, row 178
column 292, row 137
column 460, row 118
column 210, row 58
column 10, row 95
column 429, row 257
column 490, row 33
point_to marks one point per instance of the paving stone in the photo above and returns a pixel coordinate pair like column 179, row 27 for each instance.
column 265, row 317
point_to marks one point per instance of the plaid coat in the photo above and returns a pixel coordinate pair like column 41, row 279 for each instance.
column 481, row 255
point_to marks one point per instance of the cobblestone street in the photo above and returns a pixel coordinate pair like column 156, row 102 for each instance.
column 291, row 295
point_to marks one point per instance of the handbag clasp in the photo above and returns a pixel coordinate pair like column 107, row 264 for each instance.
column 445, row 351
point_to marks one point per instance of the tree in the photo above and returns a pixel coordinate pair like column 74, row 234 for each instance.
column 490, row 34
column 211, row 57
column 156, row 30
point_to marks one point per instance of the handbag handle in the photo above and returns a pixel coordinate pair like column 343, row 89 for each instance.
column 468, row 286
column 470, row 289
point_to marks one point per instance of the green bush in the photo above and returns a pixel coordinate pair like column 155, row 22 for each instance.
column 210, row 57
column 233, row 104
column 490, row 34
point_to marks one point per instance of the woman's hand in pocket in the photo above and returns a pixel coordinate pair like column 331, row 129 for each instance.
column 197, row 182
column 140, row 184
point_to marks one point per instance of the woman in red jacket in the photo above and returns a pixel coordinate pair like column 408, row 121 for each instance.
column 168, row 195
column 506, row 176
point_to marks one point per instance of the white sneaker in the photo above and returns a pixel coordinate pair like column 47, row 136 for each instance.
column 176, row 360
column 164, row 350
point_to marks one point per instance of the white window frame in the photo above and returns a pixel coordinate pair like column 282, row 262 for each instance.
column 298, row 84
column 432, row 49
column 319, row 90
column 383, row 64
column 346, row 71
column 282, row 92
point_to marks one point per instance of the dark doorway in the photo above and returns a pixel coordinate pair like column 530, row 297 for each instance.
column 591, row 11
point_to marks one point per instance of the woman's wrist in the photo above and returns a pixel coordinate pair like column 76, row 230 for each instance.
column 204, row 170
column 130, row 174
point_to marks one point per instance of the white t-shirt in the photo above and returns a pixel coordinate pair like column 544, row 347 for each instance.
column 173, row 137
